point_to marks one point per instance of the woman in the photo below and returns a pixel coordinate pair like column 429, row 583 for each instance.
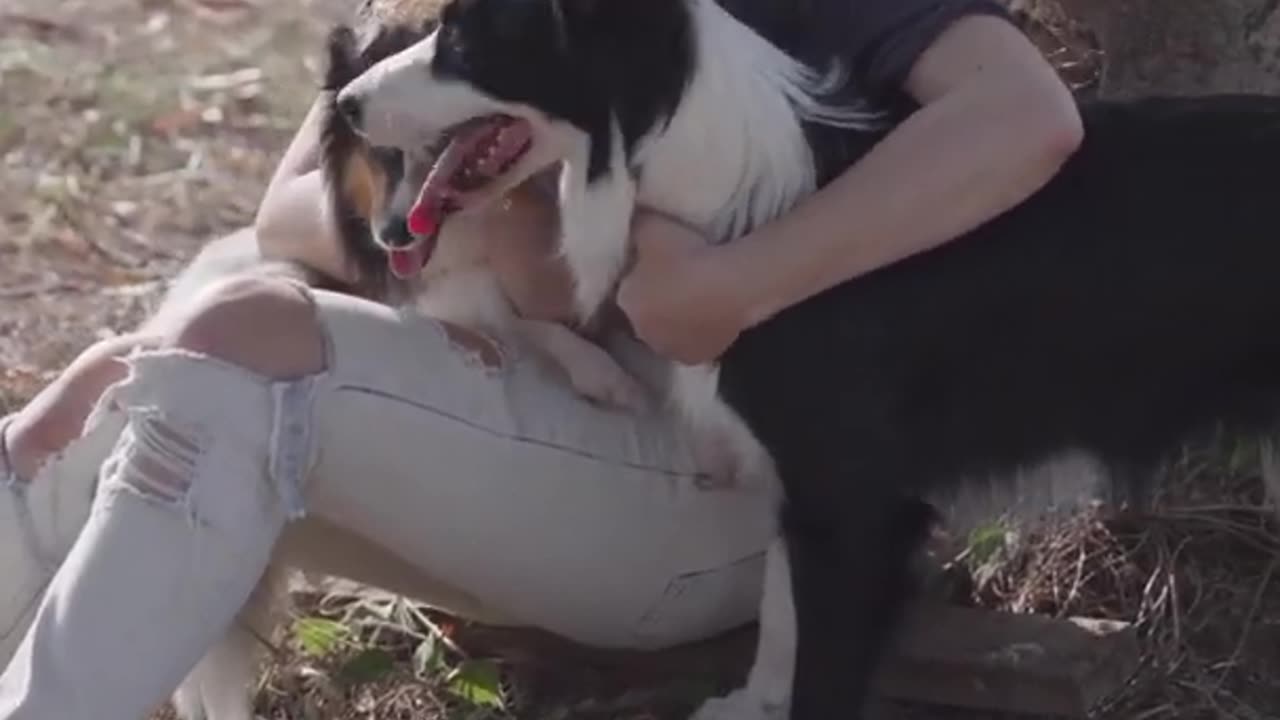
column 454, row 463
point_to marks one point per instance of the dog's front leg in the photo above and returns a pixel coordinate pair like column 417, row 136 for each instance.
column 596, row 206
column 220, row 686
column 592, row 371
column 852, row 582
column 767, row 693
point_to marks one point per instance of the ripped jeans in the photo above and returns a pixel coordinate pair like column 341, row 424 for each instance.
column 472, row 479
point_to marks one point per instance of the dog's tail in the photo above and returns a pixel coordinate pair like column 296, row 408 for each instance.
column 1021, row 501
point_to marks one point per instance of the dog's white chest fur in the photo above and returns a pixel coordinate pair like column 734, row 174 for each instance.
column 733, row 156
column 724, row 446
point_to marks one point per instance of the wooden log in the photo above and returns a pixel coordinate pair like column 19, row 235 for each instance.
column 1002, row 662
column 953, row 656
column 948, row 655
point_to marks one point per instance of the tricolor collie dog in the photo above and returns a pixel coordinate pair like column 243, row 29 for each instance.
column 371, row 190
column 1126, row 306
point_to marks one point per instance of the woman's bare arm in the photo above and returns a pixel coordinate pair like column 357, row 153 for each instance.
column 294, row 221
column 995, row 124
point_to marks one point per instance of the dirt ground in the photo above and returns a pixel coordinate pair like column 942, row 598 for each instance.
column 132, row 131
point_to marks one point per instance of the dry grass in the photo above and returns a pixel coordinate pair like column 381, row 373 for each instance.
column 131, row 131
column 1197, row 574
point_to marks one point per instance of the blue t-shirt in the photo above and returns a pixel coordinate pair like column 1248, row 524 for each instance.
column 879, row 39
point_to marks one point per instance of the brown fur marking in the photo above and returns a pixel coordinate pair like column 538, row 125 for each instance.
column 364, row 185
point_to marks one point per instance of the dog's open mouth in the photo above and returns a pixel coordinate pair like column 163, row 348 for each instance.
column 471, row 157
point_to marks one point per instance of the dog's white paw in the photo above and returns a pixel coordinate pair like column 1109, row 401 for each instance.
column 716, row 459
column 739, row 705
column 599, row 378
column 187, row 703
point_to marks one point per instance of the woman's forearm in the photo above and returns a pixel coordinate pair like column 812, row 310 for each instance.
column 979, row 147
column 294, row 221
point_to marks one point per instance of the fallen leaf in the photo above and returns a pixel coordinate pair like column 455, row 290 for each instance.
column 227, row 80
column 175, row 121
column 45, row 29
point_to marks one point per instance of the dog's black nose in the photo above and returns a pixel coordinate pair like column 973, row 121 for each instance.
column 395, row 232
column 352, row 109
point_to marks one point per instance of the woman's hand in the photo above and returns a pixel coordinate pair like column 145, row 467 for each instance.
column 681, row 299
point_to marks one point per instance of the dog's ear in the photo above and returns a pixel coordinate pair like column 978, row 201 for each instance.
column 572, row 17
column 594, row 22
column 349, row 54
column 344, row 58
column 391, row 39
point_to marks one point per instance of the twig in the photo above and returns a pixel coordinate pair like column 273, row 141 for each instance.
column 1192, row 510
column 42, row 26
column 1249, row 621
column 435, row 630
column 19, row 292
column 38, row 225
column 111, row 254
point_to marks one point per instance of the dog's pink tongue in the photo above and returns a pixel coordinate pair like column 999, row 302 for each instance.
column 406, row 262
column 425, row 216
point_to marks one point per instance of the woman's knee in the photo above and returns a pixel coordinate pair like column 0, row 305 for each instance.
column 265, row 325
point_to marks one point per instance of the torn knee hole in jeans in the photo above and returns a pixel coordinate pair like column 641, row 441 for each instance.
column 162, row 460
column 189, row 414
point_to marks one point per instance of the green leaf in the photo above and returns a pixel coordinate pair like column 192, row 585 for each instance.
column 478, row 682
column 428, row 657
column 320, row 636
column 985, row 542
column 366, row 666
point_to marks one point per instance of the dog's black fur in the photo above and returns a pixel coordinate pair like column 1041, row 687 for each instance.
column 1126, row 306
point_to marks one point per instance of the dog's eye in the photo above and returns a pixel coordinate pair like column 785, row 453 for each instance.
column 389, row 158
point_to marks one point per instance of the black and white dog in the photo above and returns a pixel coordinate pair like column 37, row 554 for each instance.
column 1129, row 304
